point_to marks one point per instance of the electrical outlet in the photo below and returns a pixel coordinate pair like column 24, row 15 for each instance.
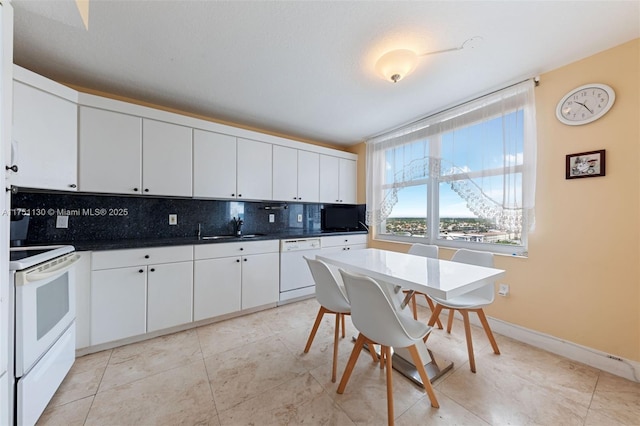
column 272, row 218
column 62, row 222
column 503, row 290
column 173, row 219
column 299, row 218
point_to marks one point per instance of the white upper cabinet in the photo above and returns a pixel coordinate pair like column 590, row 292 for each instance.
column 125, row 154
column 255, row 162
column 214, row 165
column 308, row 176
column 296, row 174
column 329, row 179
column 337, row 180
column 166, row 159
column 285, row 173
column 45, row 138
column 110, row 152
column 348, row 176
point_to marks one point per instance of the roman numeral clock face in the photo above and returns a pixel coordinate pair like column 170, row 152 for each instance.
column 585, row 104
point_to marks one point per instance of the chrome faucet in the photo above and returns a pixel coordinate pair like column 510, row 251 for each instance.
column 199, row 230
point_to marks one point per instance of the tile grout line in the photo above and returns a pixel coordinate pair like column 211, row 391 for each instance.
column 86, row 417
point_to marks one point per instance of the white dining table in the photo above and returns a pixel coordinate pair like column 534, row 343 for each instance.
column 439, row 278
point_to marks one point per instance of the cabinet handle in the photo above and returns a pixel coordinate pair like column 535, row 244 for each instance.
column 241, row 248
column 153, row 269
column 13, row 168
column 238, row 260
column 146, row 256
column 141, row 270
column 348, row 248
column 337, row 201
column 233, row 195
column 239, row 195
column 73, row 185
column 146, row 190
column 245, row 259
column 135, row 189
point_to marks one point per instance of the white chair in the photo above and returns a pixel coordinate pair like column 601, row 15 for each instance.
column 332, row 301
column 424, row 250
column 378, row 322
column 472, row 301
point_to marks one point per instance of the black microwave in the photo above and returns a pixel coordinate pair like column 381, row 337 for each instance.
column 339, row 218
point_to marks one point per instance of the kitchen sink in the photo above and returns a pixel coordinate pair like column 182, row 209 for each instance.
column 217, row 237
column 226, row 237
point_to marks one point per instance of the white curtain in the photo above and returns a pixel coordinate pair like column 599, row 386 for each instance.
column 499, row 188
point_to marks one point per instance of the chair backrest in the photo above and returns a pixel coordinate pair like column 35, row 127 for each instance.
column 424, row 250
column 328, row 291
column 374, row 316
column 479, row 258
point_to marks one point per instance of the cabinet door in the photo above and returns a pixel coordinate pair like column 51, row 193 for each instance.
column 110, row 148
column 118, row 304
column 329, row 179
column 217, row 287
column 166, row 159
column 169, row 295
column 348, row 174
column 308, row 176
column 254, row 170
column 260, row 280
column 285, row 173
column 45, row 139
column 214, row 165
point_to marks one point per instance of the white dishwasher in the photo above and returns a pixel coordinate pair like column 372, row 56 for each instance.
column 295, row 278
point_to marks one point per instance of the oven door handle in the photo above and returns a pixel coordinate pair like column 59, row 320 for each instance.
column 59, row 269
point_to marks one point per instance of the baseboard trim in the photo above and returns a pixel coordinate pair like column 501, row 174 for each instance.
column 610, row 363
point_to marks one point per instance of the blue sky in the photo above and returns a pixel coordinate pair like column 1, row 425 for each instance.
column 472, row 148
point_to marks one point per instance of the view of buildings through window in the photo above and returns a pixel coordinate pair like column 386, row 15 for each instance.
column 474, row 182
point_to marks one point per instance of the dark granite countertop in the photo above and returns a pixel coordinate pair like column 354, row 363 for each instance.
column 96, row 245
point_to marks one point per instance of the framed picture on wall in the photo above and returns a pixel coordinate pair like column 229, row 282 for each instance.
column 585, row 164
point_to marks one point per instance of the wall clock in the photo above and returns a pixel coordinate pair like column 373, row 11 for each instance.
column 585, row 104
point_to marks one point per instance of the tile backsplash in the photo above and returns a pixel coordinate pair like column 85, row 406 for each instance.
column 110, row 217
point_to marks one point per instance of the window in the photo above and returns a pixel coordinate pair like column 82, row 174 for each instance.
column 461, row 178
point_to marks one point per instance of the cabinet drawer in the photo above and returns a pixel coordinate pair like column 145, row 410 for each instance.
column 344, row 240
column 241, row 248
column 135, row 257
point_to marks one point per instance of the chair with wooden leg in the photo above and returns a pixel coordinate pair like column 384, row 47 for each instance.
column 472, row 301
column 424, row 250
column 379, row 322
column 332, row 301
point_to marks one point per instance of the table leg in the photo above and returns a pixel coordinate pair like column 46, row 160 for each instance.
column 435, row 366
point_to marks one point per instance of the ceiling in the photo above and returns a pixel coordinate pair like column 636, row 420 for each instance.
column 306, row 68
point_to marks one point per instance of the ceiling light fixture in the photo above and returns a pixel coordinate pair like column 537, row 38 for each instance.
column 397, row 64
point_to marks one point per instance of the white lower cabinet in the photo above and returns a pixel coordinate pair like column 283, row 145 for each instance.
column 137, row 291
column 217, row 287
column 118, row 303
column 344, row 242
column 260, row 279
column 169, row 295
column 229, row 277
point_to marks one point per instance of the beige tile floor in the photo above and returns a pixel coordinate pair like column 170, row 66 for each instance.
column 252, row 371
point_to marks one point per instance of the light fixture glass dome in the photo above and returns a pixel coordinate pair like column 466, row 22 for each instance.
column 395, row 65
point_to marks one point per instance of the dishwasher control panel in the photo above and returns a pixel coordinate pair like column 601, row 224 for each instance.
column 299, row 244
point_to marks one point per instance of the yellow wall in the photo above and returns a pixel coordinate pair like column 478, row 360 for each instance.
column 581, row 282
